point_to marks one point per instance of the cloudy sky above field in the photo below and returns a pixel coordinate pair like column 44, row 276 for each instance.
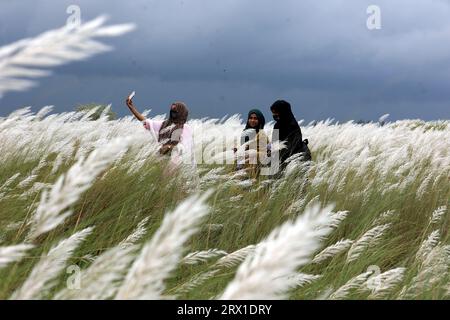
column 225, row 57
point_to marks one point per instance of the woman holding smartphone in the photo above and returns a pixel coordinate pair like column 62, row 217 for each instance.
column 172, row 133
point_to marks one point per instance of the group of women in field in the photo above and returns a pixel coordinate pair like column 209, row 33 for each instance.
column 254, row 151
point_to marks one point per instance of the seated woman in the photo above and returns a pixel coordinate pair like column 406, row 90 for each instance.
column 172, row 133
column 286, row 129
column 252, row 154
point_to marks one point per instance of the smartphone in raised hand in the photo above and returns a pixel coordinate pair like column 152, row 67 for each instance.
column 131, row 96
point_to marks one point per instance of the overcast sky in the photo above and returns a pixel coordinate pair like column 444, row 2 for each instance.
column 226, row 57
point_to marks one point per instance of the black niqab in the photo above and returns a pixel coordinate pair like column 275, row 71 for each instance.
column 288, row 130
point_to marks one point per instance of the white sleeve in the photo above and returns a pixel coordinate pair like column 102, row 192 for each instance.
column 187, row 139
column 185, row 152
column 153, row 126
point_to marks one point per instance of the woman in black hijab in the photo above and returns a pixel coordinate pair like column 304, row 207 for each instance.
column 288, row 131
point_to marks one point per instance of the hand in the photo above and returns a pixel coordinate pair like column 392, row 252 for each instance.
column 129, row 103
column 165, row 149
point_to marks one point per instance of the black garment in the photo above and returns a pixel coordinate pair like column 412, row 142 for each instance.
column 289, row 131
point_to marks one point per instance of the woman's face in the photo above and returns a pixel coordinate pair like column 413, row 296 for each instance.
column 173, row 112
column 275, row 115
column 253, row 121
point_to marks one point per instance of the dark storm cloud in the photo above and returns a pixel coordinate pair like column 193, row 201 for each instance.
column 223, row 57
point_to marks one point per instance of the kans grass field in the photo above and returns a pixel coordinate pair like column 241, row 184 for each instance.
column 88, row 210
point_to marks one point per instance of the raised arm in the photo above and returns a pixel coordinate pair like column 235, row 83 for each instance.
column 133, row 110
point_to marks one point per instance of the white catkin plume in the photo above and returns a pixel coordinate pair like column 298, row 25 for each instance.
column 203, row 256
column 246, row 183
column 381, row 285
column 299, row 280
column 259, row 188
column 333, row 250
column 88, row 257
column 390, row 188
column 234, row 258
column 27, row 181
column 161, row 255
column 42, row 277
column 137, row 234
column 341, row 186
column 422, row 190
column 196, row 281
column 296, row 206
column 352, row 284
column 438, row 214
column 368, row 239
column 52, row 209
column 37, row 186
column 23, row 61
column 312, row 202
column 14, row 225
column 43, row 112
column 433, row 270
column 441, row 175
column 383, row 117
column 57, row 163
column 383, row 217
column 213, row 226
column 212, row 176
column 237, row 175
column 410, row 179
column 42, row 163
column 103, row 277
column 13, row 253
column 236, row 198
column 337, row 218
column 266, row 274
column 9, row 181
column 427, row 246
